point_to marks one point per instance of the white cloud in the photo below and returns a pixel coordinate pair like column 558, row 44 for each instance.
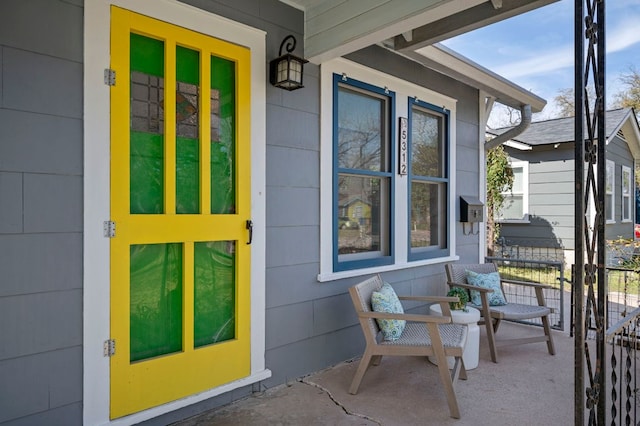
column 623, row 35
column 536, row 50
column 545, row 62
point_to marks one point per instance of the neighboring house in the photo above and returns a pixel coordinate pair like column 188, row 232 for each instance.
column 164, row 252
column 539, row 211
column 356, row 210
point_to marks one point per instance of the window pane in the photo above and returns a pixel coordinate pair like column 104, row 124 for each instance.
column 214, row 292
column 155, row 300
column 147, row 126
column 428, row 220
column 626, row 182
column 223, row 136
column 187, row 131
column 626, row 214
column 513, row 207
column 609, row 177
column 363, row 215
column 518, row 186
column 361, row 131
column 427, row 157
column 187, row 92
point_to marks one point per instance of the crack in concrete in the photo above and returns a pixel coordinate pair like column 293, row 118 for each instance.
column 338, row 403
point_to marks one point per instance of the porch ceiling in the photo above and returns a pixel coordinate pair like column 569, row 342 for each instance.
column 335, row 28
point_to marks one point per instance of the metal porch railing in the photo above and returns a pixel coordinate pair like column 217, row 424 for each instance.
column 623, row 296
column 624, row 340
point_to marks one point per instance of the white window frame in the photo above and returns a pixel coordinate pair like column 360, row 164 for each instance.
column 524, row 165
column 626, row 199
column 610, row 191
column 403, row 91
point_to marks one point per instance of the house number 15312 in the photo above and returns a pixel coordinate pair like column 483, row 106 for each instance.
column 402, row 149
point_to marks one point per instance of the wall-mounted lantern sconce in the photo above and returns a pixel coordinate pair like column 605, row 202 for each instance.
column 286, row 70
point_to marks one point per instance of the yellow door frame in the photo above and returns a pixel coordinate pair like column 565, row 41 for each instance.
column 136, row 386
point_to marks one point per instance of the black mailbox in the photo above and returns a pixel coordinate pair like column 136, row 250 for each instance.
column 471, row 209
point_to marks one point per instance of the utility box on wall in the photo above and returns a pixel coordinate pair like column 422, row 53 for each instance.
column 471, row 209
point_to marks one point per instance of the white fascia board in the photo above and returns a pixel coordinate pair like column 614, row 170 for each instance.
column 629, row 126
column 294, row 4
column 518, row 145
column 631, row 133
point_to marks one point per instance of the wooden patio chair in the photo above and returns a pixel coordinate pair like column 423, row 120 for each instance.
column 492, row 315
column 423, row 335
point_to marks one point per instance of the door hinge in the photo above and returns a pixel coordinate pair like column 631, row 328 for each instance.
column 109, row 77
column 109, row 228
column 109, row 348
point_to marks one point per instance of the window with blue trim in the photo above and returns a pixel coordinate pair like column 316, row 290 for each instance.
column 428, row 180
column 363, row 187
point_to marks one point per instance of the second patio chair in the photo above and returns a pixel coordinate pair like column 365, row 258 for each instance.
column 492, row 315
column 423, row 335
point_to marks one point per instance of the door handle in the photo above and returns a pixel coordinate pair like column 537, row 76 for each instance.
column 249, row 226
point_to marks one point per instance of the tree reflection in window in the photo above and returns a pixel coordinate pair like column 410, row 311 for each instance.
column 363, row 172
column 428, row 179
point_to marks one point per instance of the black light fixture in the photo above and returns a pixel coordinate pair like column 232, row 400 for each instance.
column 286, row 70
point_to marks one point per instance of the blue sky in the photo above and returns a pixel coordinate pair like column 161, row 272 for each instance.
column 536, row 50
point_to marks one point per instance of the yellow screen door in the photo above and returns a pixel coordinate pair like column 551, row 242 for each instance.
column 180, row 204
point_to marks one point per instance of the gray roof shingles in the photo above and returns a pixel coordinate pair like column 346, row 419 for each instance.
column 561, row 130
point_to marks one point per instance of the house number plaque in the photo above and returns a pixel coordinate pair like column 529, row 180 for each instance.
column 402, row 148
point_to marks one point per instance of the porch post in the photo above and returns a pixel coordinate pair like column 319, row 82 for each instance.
column 590, row 238
column 579, row 217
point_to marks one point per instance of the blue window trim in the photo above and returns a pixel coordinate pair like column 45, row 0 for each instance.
column 373, row 261
column 429, row 252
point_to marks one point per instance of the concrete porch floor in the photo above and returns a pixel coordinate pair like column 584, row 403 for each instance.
column 527, row 387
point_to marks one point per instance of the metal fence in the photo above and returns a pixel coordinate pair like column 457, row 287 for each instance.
column 546, row 265
column 528, row 249
column 541, row 271
column 624, row 339
column 623, row 296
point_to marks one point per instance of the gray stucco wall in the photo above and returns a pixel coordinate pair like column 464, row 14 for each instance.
column 41, row 212
column 310, row 325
